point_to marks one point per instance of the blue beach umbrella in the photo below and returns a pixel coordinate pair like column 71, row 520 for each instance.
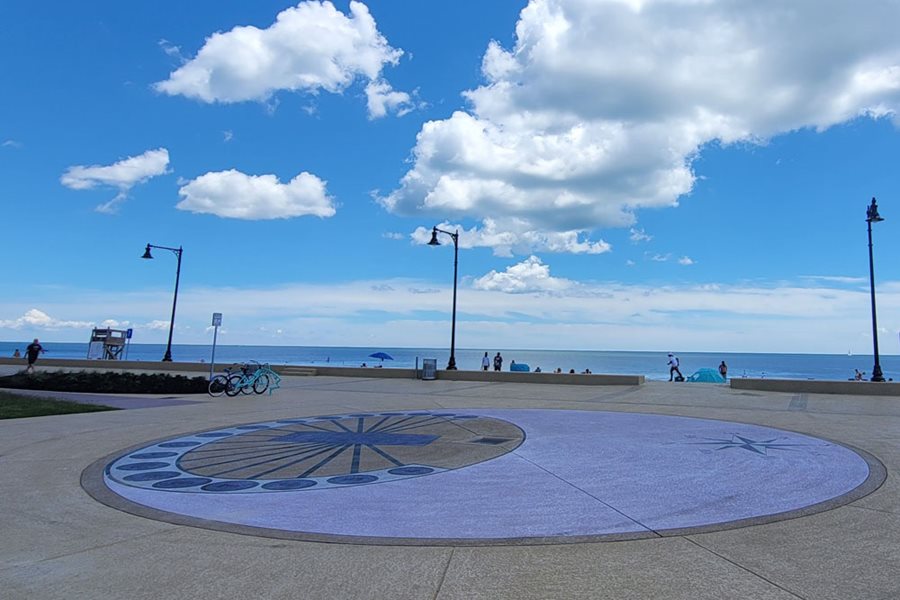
column 381, row 356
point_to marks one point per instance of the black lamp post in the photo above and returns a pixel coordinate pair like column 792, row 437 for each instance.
column 451, row 364
column 177, row 251
column 872, row 216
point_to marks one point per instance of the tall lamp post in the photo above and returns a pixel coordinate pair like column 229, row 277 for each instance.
column 451, row 364
column 177, row 251
column 872, row 216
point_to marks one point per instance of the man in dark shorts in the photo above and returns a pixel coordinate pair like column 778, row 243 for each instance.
column 31, row 353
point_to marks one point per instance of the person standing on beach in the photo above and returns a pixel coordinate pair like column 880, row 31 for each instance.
column 723, row 370
column 485, row 362
column 498, row 362
column 673, row 368
column 32, row 352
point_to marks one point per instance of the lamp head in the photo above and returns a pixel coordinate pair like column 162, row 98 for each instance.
column 147, row 252
column 434, row 241
column 872, row 215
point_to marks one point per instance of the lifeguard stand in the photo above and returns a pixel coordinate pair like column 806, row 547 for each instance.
column 107, row 344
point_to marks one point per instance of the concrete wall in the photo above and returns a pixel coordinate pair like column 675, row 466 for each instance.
column 811, row 386
column 200, row 368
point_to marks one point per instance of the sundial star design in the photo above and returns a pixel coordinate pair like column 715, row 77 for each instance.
column 745, row 443
column 317, row 452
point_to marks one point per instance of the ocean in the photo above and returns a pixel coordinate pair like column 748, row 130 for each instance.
column 650, row 364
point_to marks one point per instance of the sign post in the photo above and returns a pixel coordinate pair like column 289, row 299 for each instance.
column 128, row 334
column 216, row 321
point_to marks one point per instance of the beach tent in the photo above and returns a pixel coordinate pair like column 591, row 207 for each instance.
column 707, row 376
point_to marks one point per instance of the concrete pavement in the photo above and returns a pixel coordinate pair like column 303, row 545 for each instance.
column 59, row 542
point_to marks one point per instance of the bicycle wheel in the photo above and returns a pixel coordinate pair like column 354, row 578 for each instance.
column 261, row 384
column 217, row 385
column 233, row 387
column 247, row 384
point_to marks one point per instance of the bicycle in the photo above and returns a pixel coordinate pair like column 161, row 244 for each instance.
column 245, row 378
column 232, row 383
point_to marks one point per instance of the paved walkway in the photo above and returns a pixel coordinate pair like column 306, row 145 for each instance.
column 447, row 489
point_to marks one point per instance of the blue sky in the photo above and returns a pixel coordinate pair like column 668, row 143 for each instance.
column 635, row 175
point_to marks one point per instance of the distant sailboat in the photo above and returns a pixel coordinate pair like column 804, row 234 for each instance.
column 849, row 353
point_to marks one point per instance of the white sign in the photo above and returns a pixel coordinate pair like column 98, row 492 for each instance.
column 217, row 319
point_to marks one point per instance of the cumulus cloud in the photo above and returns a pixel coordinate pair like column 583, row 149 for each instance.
column 122, row 175
column 639, row 235
column 685, row 260
column 235, row 195
column 36, row 319
column 600, row 108
column 509, row 236
column 530, row 275
column 311, row 47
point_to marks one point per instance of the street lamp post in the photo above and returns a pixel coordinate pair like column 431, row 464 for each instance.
column 872, row 216
column 451, row 364
column 177, row 251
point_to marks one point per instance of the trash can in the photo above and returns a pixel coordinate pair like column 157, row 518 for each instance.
column 429, row 368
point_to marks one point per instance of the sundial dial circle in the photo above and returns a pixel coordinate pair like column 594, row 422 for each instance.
column 317, row 453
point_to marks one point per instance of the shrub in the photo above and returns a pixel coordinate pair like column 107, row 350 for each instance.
column 106, row 382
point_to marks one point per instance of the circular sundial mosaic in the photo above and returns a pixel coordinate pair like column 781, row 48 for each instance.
column 483, row 476
column 316, row 452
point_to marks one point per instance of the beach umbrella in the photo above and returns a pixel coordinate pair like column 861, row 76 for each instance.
column 381, row 356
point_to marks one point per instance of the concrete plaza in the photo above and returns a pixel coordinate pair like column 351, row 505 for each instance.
column 59, row 542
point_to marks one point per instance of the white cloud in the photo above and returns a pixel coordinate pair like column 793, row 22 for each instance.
column 750, row 317
column 601, row 107
column 235, row 195
column 530, row 275
column 311, row 47
column 122, row 175
column 639, row 235
column 508, row 236
column 382, row 99
column 11, row 144
column 36, row 319
column 227, row 135
column 392, row 235
column 685, row 260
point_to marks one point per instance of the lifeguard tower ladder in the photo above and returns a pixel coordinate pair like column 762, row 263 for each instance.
column 107, row 344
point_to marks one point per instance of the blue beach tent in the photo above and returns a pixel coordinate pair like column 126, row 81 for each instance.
column 707, row 376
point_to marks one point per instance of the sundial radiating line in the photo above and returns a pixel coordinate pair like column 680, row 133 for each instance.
column 376, row 425
column 243, row 449
column 354, row 463
column 269, row 456
column 413, row 426
column 324, row 461
column 310, row 425
column 310, row 452
column 394, row 423
column 400, row 424
column 284, row 466
column 384, row 454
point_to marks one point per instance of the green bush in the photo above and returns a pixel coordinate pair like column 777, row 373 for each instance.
column 106, row 382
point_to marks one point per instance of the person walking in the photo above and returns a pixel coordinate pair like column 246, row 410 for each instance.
column 31, row 353
column 723, row 370
column 498, row 362
column 673, row 368
column 485, row 362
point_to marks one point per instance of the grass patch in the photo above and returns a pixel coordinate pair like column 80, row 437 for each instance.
column 13, row 406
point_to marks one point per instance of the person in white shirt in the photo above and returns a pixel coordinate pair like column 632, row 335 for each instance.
column 673, row 367
column 485, row 362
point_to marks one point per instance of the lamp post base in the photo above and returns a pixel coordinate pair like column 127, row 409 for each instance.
column 877, row 375
column 451, row 364
column 167, row 357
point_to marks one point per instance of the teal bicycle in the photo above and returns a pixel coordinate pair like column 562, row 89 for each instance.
column 244, row 379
